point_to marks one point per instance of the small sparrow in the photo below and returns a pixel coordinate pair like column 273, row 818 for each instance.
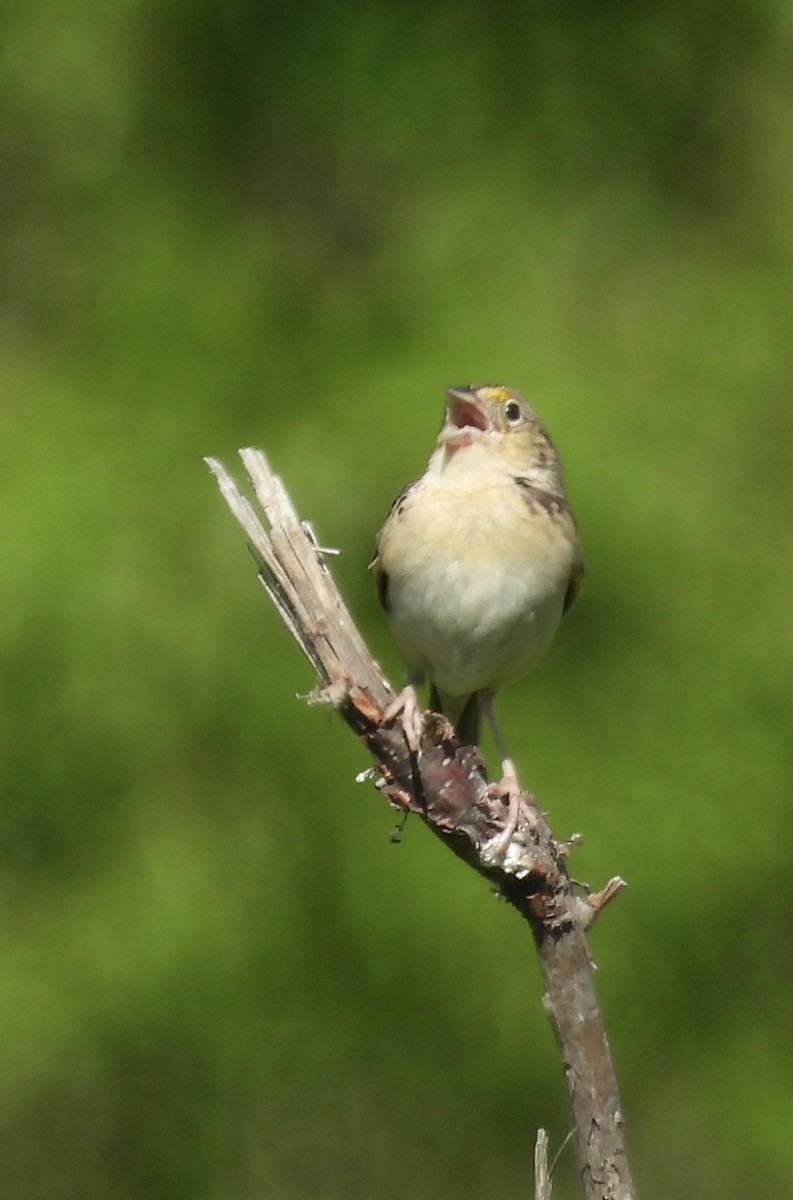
column 477, row 562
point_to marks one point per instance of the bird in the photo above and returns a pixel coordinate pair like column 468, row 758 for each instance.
column 476, row 563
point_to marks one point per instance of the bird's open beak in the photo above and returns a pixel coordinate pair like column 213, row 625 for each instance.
column 466, row 419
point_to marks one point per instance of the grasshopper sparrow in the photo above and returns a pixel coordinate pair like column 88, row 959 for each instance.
column 477, row 562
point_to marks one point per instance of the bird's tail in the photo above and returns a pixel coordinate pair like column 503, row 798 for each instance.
column 462, row 711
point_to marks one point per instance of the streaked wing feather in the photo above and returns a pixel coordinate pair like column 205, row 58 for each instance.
column 380, row 576
column 556, row 504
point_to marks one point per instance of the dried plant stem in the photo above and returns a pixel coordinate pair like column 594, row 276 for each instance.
column 446, row 786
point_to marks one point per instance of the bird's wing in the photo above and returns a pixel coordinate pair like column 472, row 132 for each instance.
column 380, row 582
column 575, row 582
column 556, row 505
column 375, row 566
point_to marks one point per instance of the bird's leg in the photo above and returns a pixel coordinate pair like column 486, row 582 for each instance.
column 406, row 706
column 509, row 784
column 508, row 769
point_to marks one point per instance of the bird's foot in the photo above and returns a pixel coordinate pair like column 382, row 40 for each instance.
column 509, row 788
column 406, row 706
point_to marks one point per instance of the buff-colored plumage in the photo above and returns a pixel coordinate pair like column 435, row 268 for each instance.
column 479, row 558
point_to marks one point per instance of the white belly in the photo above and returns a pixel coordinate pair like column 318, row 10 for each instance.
column 467, row 628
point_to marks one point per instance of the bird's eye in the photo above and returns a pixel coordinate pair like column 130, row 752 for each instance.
column 512, row 412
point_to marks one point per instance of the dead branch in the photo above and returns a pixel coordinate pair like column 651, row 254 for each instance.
column 447, row 788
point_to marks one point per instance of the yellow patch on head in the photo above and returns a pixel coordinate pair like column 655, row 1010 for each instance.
column 495, row 393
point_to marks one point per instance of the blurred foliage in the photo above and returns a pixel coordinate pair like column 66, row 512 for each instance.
column 291, row 226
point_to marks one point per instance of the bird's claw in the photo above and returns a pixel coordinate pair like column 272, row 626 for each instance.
column 509, row 788
column 406, row 706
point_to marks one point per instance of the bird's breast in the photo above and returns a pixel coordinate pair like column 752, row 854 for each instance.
column 476, row 582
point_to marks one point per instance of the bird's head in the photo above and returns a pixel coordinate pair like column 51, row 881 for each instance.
column 500, row 420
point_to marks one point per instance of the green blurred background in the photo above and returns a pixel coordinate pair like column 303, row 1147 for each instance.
column 291, row 226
